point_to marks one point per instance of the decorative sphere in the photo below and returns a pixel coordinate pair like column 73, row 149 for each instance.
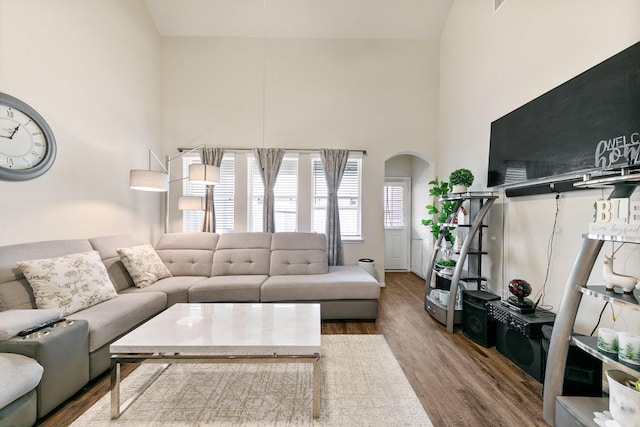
column 520, row 288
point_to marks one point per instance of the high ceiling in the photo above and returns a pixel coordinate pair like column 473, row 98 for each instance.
column 350, row 19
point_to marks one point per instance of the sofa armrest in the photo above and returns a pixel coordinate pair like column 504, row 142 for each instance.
column 63, row 352
column 14, row 321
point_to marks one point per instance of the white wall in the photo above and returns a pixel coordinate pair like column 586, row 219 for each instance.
column 381, row 96
column 110, row 88
column 92, row 69
column 423, row 172
column 490, row 65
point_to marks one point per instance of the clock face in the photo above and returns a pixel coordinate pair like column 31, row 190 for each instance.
column 27, row 145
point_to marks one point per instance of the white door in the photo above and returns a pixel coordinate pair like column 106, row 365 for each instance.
column 396, row 223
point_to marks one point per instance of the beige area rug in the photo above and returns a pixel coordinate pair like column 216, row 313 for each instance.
column 362, row 385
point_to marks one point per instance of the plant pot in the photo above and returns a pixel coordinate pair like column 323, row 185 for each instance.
column 624, row 402
column 447, row 270
column 443, row 297
column 458, row 188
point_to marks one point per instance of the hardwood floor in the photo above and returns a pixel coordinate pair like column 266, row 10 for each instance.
column 458, row 382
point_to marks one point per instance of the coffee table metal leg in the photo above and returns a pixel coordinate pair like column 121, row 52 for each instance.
column 115, row 389
column 116, row 408
column 316, row 388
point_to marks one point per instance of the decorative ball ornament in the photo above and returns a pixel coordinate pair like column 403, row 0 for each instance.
column 520, row 288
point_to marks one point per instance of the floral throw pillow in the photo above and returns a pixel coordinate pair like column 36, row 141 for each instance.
column 143, row 264
column 69, row 283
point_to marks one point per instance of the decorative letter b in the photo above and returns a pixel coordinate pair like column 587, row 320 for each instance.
column 603, row 211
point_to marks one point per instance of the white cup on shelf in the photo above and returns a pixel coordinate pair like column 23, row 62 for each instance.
column 444, row 297
column 608, row 340
column 629, row 348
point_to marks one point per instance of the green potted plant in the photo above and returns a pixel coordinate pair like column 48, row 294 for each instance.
column 439, row 211
column 447, row 265
column 460, row 180
column 446, row 262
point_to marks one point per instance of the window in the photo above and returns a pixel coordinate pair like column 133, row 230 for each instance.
column 349, row 198
column 288, row 186
column 285, row 192
column 222, row 196
column 394, row 205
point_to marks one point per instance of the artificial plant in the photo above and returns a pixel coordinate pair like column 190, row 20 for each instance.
column 441, row 211
column 461, row 177
column 444, row 262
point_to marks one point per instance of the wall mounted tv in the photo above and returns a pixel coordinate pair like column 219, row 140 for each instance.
column 589, row 123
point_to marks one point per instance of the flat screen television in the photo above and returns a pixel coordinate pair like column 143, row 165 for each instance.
column 589, row 123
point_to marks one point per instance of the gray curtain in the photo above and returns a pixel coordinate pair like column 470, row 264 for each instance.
column 269, row 161
column 334, row 162
column 212, row 157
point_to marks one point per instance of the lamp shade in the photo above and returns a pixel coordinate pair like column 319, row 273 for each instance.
column 204, row 174
column 190, row 203
column 147, row 180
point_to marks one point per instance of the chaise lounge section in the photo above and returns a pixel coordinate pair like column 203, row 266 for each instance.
column 299, row 273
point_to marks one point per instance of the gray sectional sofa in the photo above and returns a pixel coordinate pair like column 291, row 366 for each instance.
column 204, row 267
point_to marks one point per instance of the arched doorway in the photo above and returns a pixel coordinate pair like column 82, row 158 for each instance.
column 405, row 198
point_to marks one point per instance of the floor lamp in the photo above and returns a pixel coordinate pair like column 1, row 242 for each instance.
column 150, row 180
column 191, row 203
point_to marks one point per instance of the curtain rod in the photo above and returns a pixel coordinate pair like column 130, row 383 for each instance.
column 297, row 150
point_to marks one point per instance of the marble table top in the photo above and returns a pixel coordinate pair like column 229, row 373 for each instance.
column 227, row 328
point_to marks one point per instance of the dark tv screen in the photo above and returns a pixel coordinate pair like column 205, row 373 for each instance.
column 591, row 122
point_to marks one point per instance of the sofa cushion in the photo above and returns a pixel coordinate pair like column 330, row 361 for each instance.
column 113, row 318
column 241, row 288
column 20, row 374
column 70, row 282
column 298, row 253
column 340, row 283
column 14, row 321
column 242, row 254
column 188, row 254
column 15, row 292
column 22, row 412
column 176, row 288
column 107, row 246
column 143, row 264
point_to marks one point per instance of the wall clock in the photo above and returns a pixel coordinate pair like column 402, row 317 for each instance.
column 27, row 144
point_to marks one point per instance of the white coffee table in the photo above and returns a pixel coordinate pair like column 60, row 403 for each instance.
column 221, row 333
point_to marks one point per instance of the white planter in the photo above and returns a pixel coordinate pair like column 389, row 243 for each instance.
column 459, row 188
column 443, row 297
column 447, row 270
column 624, row 402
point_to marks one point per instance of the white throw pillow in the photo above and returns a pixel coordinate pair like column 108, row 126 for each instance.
column 69, row 283
column 143, row 264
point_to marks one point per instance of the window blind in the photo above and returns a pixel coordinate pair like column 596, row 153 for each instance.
column 222, row 195
column 349, row 198
column 394, row 206
column 285, row 193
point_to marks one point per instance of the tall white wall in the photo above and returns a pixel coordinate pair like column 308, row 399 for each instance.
column 381, row 96
column 490, row 64
column 92, row 70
